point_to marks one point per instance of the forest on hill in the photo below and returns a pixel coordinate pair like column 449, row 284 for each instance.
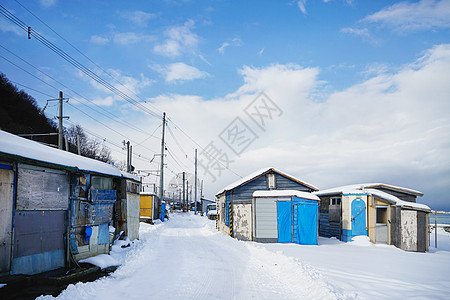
column 20, row 115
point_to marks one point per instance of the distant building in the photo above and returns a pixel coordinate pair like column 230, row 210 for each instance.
column 238, row 206
column 387, row 214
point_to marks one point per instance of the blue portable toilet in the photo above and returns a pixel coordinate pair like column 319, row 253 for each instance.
column 286, row 216
column 163, row 211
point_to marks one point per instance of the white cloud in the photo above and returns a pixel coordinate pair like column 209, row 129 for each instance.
column 406, row 16
column 140, row 18
column 392, row 127
column 179, row 39
column 126, row 84
column 7, row 26
column 126, row 38
column 106, row 101
column 181, row 72
column 364, row 33
column 47, row 3
column 236, row 42
column 301, row 5
column 99, row 40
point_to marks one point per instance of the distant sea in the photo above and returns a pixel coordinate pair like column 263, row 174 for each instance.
column 441, row 219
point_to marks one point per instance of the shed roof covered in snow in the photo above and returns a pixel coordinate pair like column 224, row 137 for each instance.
column 358, row 188
column 285, row 193
column 258, row 173
column 370, row 189
column 26, row 150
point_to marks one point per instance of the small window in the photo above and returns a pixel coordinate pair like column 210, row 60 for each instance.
column 382, row 215
column 271, row 181
column 335, row 201
column 101, row 183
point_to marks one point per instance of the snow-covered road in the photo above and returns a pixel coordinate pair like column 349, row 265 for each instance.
column 186, row 258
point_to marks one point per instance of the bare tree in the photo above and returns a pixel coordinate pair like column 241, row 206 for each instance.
column 89, row 147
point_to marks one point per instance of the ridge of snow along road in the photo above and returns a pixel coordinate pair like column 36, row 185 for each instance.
column 186, row 258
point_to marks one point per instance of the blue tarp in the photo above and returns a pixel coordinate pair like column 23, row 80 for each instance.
column 297, row 221
column 307, row 221
column 284, row 218
column 163, row 211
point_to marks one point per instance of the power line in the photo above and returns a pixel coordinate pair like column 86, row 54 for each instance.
column 115, row 118
column 73, row 61
column 107, row 73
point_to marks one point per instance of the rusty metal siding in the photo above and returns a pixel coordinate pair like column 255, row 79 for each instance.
column 6, row 209
column 396, row 226
column 38, row 241
column 42, row 189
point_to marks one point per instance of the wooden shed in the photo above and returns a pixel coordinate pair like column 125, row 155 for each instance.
column 56, row 207
column 387, row 214
column 235, row 202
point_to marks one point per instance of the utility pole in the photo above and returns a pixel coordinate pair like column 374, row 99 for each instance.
column 161, row 173
column 201, row 195
column 60, row 128
column 195, row 184
column 184, row 192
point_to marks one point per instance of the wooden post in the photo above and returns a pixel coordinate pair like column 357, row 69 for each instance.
column 435, row 229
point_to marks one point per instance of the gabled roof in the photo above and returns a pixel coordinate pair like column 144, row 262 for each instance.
column 23, row 149
column 258, row 173
column 359, row 188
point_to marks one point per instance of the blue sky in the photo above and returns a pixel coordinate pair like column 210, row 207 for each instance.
column 361, row 86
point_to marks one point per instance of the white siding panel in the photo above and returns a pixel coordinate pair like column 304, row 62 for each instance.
column 266, row 218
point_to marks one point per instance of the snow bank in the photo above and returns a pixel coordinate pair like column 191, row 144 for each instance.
column 2, row 285
column 361, row 241
column 102, row 261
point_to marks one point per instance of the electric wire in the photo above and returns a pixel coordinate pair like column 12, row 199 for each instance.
column 103, row 70
column 94, row 76
column 74, row 62
column 115, row 118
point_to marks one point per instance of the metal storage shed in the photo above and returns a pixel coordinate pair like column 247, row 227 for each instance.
column 285, row 216
column 56, row 206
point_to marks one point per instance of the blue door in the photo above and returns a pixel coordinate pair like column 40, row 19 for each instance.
column 358, row 217
column 305, row 221
column 284, row 219
column 227, row 210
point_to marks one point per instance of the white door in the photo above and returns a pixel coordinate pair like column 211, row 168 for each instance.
column 409, row 230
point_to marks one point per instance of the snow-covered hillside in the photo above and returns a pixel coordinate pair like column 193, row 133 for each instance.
column 186, row 258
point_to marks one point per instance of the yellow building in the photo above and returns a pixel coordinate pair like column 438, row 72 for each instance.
column 148, row 207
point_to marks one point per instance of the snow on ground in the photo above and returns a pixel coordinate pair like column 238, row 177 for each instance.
column 186, row 258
